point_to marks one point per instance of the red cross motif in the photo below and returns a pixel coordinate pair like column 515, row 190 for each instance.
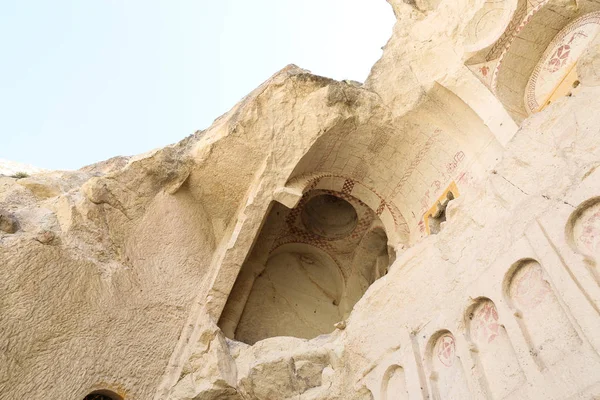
column 446, row 350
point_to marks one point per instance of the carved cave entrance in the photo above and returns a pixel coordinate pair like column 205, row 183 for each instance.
column 102, row 395
column 307, row 269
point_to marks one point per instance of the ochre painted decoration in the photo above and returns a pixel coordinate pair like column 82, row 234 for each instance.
column 439, row 207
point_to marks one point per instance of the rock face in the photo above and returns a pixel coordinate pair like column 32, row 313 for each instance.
column 8, row 223
column 426, row 235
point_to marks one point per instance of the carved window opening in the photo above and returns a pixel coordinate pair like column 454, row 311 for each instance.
column 436, row 215
column 308, row 267
column 102, row 395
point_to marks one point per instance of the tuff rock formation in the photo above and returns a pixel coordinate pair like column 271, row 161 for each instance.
column 432, row 233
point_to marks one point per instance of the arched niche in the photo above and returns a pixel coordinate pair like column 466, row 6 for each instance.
column 364, row 394
column 583, row 228
column 400, row 169
column 103, row 395
column 533, row 300
column 298, row 294
column 308, row 267
column 509, row 65
column 488, row 24
column 395, row 226
column 446, row 372
column 393, row 385
column 529, row 51
column 555, row 74
column 494, row 354
column 487, row 63
column 583, row 233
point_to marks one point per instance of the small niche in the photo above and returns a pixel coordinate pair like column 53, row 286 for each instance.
column 437, row 213
column 103, row 395
column 500, row 375
column 447, row 375
column 393, row 386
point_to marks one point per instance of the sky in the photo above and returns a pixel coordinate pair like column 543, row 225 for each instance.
column 82, row 81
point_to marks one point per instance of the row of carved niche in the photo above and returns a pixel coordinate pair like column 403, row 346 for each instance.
column 547, row 336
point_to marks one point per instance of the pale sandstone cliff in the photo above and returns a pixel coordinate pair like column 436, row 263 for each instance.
column 126, row 276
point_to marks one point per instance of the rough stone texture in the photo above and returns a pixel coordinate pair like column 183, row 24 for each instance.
column 132, row 276
column 8, row 223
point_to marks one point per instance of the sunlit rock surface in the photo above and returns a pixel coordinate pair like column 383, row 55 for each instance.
column 424, row 235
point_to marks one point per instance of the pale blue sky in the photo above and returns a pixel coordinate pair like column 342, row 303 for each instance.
column 85, row 80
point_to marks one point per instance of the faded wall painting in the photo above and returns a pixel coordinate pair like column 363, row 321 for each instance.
column 495, row 355
column 558, row 61
column 448, row 379
column 550, row 338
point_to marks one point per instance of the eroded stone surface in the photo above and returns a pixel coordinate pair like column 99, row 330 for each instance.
column 119, row 273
